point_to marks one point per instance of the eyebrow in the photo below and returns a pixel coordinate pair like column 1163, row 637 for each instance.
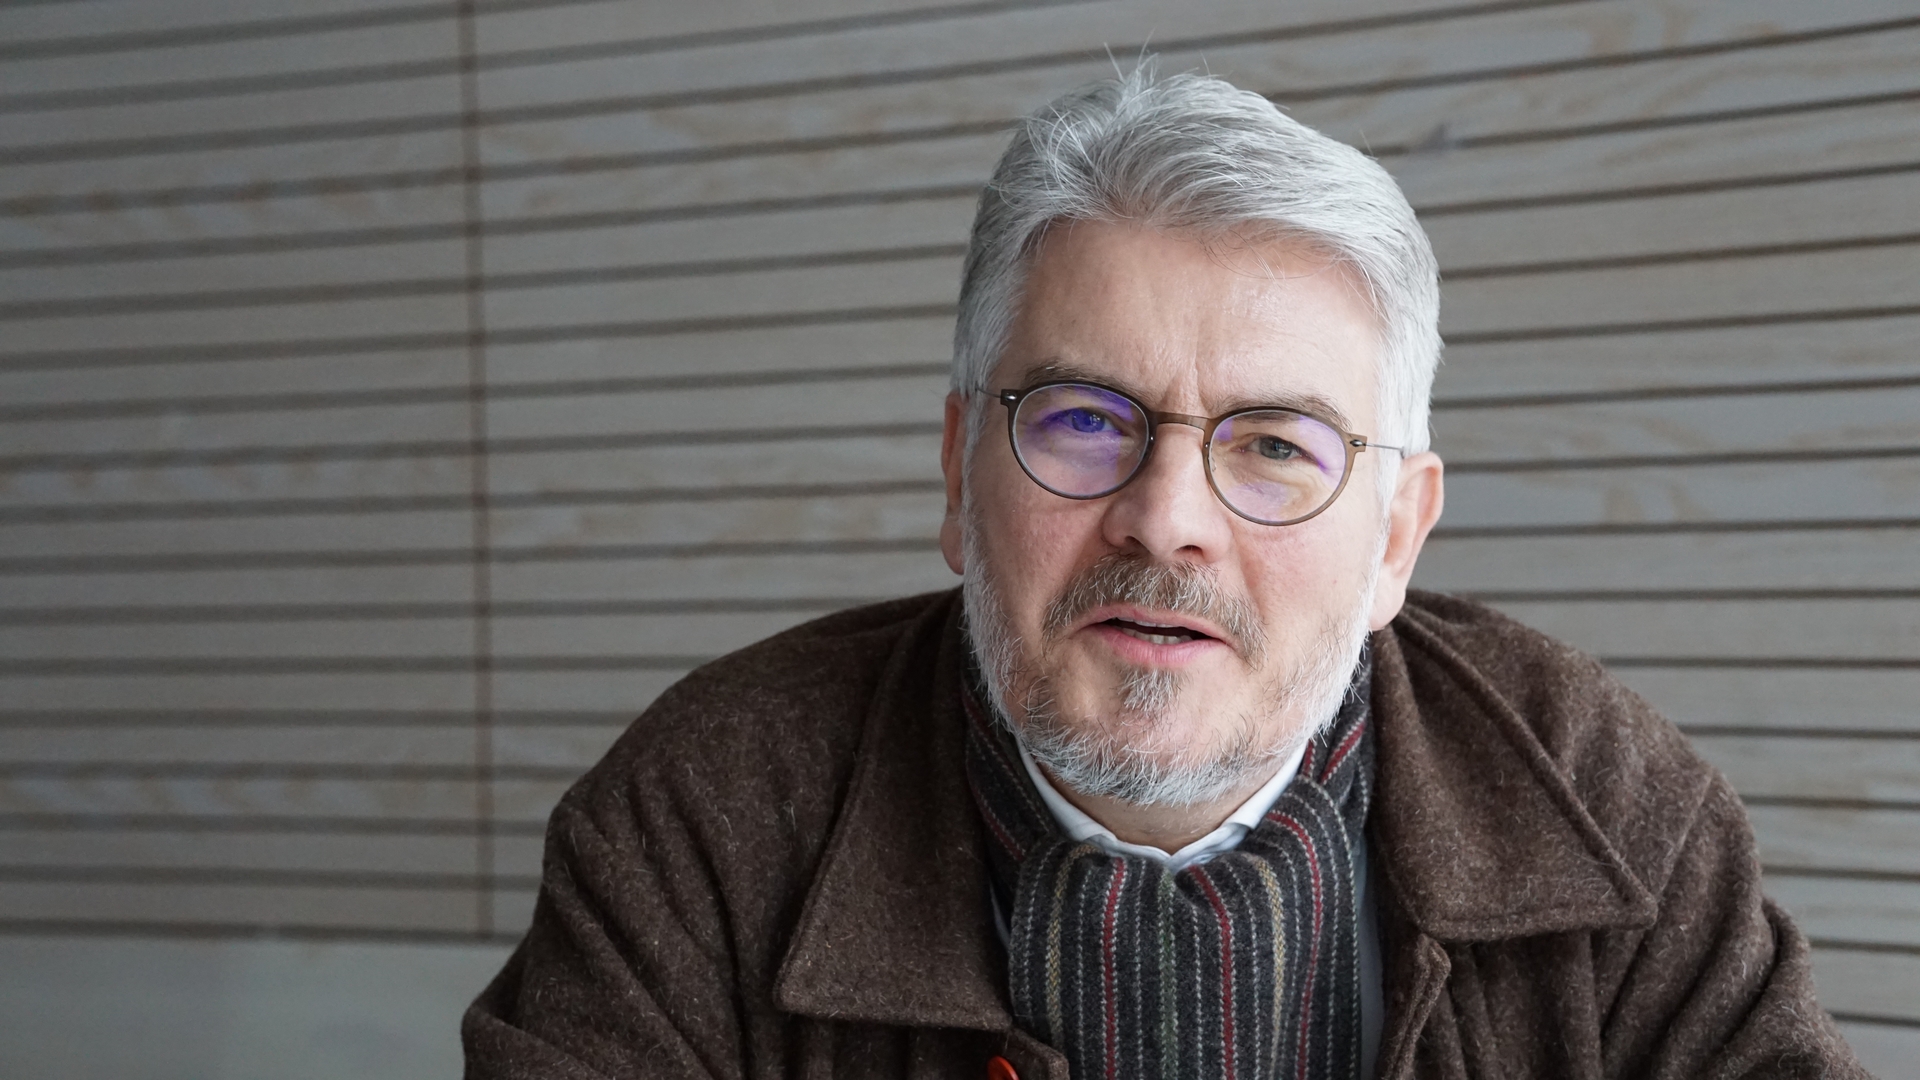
column 1312, row 404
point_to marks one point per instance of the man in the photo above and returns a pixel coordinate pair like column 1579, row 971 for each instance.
column 1186, row 782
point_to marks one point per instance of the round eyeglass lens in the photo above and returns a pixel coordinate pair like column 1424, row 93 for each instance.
column 1079, row 441
column 1276, row 466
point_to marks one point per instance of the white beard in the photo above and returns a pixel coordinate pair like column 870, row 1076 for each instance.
column 1133, row 757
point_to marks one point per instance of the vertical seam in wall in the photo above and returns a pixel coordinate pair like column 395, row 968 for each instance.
column 473, row 234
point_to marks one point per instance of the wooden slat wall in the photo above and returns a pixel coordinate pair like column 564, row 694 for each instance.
column 395, row 396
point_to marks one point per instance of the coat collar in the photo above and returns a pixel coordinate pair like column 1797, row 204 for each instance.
column 1481, row 832
column 897, row 928
column 1477, row 830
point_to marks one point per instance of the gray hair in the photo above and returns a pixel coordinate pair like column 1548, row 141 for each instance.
column 1194, row 153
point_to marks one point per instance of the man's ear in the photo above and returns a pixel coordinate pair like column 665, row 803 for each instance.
column 953, row 459
column 1417, row 501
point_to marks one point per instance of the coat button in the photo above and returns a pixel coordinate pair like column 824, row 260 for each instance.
column 999, row 1068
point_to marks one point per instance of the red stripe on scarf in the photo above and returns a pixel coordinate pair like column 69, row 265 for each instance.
column 1313, row 956
column 1339, row 755
column 1226, row 968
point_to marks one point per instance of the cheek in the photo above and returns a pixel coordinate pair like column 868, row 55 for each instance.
column 1300, row 575
column 1034, row 543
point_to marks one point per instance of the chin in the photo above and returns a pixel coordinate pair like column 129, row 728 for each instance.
column 1155, row 736
column 1151, row 740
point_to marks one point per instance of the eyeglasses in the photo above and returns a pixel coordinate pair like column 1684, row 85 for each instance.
column 1273, row 466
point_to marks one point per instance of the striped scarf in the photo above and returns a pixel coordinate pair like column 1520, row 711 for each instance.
column 1243, row 967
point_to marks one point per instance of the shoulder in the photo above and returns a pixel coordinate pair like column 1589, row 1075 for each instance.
column 769, row 732
column 818, row 674
column 804, row 690
column 1630, row 770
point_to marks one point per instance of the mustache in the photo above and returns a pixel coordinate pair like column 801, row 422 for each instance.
column 1181, row 588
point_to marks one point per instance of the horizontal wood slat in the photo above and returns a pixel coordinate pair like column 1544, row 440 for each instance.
column 638, row 473
column 409, row 156
column 1882, row 769
column 1884, row 1047
column 1650, row 362
column 415, row 686
column 1856, row 561
column 1765, row 696
column 877, row 575
column 1771, row 629
column 229, row 907
column 166, row 489
column 132, row 126
column 246, row 383
column 1850, row 909
column 1781, row 425
column 47, row 228
column 416, row 318
column 597, row 21
column 134, row 24
column 445, row 532
column 1837, row 839
column 49, row 852
column 81, row 747
column 76, row 79
column 400, row 582
column 181, row 430
column 357, row 800
column 1867, row 489
column 217, row 282
column 415, row 636
column 1869, row 983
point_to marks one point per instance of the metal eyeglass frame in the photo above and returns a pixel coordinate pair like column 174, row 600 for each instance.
column 1352, row 441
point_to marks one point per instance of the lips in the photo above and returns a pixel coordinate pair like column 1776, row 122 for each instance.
column 1154, row 634
column 1157, row 633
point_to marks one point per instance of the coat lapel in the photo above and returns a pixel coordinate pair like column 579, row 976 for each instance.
column 1481, row 834
column 897, row 928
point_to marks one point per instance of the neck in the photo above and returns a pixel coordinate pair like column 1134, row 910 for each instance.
column 1168, row 828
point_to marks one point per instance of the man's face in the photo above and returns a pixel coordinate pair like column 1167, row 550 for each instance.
column 1152, row 632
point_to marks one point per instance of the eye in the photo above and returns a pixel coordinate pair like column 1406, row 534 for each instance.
column 1274, row 448
column 1086, row 421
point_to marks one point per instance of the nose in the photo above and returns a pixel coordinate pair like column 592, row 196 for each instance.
column 1169, row 512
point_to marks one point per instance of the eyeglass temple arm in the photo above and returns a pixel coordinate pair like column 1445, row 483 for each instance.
column 1359, row 443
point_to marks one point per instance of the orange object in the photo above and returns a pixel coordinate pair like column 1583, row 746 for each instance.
column 999, row 1068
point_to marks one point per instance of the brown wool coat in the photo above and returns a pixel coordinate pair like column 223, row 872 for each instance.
column 777, row 872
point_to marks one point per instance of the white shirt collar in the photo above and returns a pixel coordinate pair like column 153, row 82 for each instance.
column 1079, row 826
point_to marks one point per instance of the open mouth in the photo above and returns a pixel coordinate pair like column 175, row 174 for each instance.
column 1157, row 633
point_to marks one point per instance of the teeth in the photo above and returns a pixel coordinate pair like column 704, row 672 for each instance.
column 1157, row 639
